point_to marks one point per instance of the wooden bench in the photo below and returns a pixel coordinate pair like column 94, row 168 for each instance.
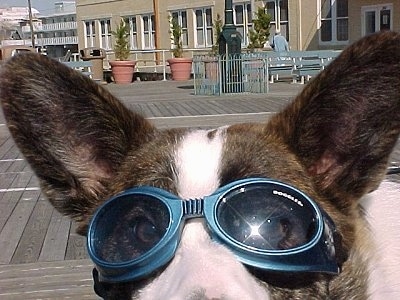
column 83, row 66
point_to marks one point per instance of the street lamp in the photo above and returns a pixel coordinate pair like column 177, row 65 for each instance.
column 230, row 44
column 230, row 40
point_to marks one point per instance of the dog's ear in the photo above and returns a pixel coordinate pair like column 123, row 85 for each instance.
column 72, row 131
column 345, row 123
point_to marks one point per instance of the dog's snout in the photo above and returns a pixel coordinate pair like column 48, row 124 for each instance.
column 203, row 269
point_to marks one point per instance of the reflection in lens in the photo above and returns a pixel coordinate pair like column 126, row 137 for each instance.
column 257, row 217
column 130, row 227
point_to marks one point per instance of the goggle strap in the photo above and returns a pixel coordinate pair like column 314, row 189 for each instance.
column 98, row 287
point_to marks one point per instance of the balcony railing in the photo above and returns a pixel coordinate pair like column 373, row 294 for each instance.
column 51, row 27
column 67, row 40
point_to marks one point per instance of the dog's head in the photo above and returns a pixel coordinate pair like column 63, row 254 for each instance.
column 301, row 173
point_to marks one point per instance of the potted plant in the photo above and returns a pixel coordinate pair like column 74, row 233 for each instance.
column 180, row 66
column 260, row 34
column 122, row 69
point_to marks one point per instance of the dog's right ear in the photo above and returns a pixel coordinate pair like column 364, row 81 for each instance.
column 72, row 131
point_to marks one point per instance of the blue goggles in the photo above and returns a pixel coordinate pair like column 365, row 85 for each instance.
column 267, row 224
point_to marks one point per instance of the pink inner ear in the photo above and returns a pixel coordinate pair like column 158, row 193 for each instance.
column 325, row 162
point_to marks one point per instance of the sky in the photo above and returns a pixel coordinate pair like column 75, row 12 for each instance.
column 43, row 6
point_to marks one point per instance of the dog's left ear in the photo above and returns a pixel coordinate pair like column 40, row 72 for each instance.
column 345, row 123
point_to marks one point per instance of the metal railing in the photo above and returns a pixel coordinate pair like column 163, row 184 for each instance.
column 64, row 40
column 71, row 25
column 226, row 74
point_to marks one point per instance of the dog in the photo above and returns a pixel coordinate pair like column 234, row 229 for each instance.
column 172, row 214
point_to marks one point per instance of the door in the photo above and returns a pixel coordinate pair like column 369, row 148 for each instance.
column 376, row 18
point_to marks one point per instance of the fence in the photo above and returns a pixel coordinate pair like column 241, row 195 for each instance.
column 252, row 72
column 225, row 74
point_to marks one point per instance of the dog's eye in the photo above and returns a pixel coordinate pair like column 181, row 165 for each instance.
column 145, row 231
column 263, row 221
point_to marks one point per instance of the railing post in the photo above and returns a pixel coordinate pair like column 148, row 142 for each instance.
column 164, row 66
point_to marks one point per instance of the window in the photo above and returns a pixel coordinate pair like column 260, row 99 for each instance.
column 376, row 18
column 334, row 21
column 204, row 31
column 90, row 29
column 148, row 32
column 132, row 31
column 105, row 26
column 280, row 16
column 181, row 17
column 242, row 18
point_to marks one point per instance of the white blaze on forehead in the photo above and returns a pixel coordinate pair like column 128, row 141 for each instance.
column 201, row 268
column 197, row 160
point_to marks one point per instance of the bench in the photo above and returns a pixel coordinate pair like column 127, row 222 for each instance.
column 280, row 67
column 83, row 66
column 298, row 64
column 309, row 63
column 306, row 68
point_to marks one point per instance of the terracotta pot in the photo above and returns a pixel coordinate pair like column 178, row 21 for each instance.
column 180, row 68
column 122, row 71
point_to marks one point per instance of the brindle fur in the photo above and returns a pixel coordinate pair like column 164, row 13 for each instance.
column 333, row 142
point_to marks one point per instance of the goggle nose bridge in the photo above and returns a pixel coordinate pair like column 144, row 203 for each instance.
column 193, row 208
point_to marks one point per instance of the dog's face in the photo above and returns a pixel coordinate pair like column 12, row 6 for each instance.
column 332, row 143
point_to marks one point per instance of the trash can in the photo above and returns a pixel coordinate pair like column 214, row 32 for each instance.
column 96, row 56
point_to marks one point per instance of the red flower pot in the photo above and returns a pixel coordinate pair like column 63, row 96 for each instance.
column 122, row 71
column 180, row 68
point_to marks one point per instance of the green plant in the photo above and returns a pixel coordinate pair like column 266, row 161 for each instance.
column 176, row 37
column 260, row 34
column 121, row 46
column 217, row 32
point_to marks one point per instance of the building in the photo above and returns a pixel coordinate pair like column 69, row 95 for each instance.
column 56, row 33
column 333, row 24
column 10, row 19
column 307, row 24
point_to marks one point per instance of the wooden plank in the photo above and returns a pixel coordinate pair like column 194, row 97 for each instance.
column 21, row 180
column 10, row 152
column 15, row 225
column 8, row 202
column 6, row 145
column 164, row 109
column 60, row 280
column 6, row 179
column 17, row 165
column 191, row 111
column 56, row 240
column 33, row 182
column 154, row 110
column 76, row 248
column 30, row 245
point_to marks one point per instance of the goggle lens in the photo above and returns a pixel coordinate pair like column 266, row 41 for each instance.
column 263, row 218
column 139, row 223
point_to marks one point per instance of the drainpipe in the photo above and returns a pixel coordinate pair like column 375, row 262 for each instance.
column 300, row 32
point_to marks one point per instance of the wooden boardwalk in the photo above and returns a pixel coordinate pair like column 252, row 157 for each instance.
column 41, row 256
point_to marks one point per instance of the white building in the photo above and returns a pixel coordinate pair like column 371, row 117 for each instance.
column 10, row 19
column 57, row 32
